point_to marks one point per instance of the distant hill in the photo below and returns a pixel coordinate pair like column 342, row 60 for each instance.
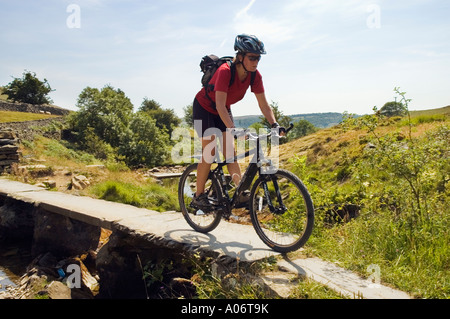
column 330, row 119
column 320, row 120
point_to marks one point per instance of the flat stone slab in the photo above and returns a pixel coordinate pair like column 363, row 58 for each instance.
column 229, row 239
column 10, row 187
column 165, row 175
column 234, row 240
column 344, row 281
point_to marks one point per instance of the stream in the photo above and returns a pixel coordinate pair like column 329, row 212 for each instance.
column 14, row 258
column 5, row 279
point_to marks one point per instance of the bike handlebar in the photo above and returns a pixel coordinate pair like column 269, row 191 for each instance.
column 252, row 136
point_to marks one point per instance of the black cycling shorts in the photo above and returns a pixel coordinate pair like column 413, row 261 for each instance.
column 204, row 120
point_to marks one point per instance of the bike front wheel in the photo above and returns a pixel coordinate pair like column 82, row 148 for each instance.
column 199, row 220
column 281, row 211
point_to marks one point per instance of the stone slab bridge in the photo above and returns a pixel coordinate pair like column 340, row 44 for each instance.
column 80, row 216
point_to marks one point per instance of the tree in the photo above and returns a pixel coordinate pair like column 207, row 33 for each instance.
column 149, row 105
column 282, row 119
column 106, row 126
column 302, row 128
column 166, row 119
column 393, row 109
column 28, row 89
column 106, row 113
column 188, row 119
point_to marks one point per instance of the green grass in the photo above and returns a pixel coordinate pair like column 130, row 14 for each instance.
column 145, row 195
column 402, row 189
column 9, row 116
column 56, row 152
column 244, row 282
column 423, row 118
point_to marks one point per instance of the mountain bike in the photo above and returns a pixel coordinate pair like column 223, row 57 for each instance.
column 280, row 207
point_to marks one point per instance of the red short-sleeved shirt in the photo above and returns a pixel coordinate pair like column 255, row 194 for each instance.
column 235, row 93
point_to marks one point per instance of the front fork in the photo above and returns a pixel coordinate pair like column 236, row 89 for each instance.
column 281, row 208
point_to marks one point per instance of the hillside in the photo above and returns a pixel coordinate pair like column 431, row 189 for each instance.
column 438, row 111
column 391, row 182
column 320, row 120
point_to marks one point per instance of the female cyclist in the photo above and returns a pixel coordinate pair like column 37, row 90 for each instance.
column 212, row 113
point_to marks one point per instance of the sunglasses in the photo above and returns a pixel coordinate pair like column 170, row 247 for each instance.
column 254, row 58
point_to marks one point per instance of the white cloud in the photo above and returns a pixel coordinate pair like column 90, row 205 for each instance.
column 266, row 26
column 244, row 11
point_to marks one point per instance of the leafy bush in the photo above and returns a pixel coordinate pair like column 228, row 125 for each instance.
column 106, row 113
column 106, row 127
column 143, row 142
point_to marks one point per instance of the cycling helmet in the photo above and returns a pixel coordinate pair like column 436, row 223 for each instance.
column 249, row 44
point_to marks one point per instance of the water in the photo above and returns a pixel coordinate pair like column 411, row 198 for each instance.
column 5, row 280
column 13, row 262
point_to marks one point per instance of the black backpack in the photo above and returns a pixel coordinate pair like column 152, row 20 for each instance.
column 210, row 64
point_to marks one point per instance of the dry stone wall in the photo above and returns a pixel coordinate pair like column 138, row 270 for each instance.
column 9, row 149
column 30, row 108
column 27, row 130
column 12, row 133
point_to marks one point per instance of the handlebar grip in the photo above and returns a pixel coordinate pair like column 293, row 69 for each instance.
column 291, row 126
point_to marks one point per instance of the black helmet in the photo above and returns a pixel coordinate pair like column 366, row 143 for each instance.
column 249, row 44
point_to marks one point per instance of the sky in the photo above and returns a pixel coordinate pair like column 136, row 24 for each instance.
column 322, row 56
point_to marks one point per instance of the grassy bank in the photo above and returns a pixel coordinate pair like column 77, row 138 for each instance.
column 395, row 172
column 9, row 116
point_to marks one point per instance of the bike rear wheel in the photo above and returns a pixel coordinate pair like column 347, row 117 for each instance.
column 199, row 220
column 287, row 225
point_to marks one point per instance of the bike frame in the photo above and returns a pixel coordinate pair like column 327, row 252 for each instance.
column 255, row 167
